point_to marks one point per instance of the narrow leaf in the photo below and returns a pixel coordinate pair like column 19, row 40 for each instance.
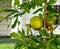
column 10, row 2
column 15, row 22
column 52, row 14
column 40, row 9
column 41, row 1
column 28, row 28
column 33, row 43
column 43, row 32
column 18, row 23
column 21, row 33
column 18, row 45
column 15, row 35
column 9, row 15
column 24, row 47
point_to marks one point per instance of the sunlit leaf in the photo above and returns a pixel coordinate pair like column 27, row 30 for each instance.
column 51, row 14
column 18, row 45
column 28, row 28
column 47, row 47
column 51, row 20
column 3, row 9
column 40, row 2
column 26, row 9
column 22, row 34
column 24, row 47
column 15, row 35
column 52, row 1
column 16, row 3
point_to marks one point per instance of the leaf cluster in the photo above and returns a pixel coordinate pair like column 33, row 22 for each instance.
column 44, row 40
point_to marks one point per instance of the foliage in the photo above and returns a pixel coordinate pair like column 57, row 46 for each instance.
column 44, row 40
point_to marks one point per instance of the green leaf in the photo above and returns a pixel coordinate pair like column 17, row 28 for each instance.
column 9, row 15
column 50, row 41
column 18, row 23
column 14, row 24
column 24, row 46
column 52, row 14
column 36, row 39
column 16, row 2
column 40, row 9
column 52, row 1
column 57, row 35
column 57, row 40
column 33, row 4
column 31, row 31
column 43, row 32
column 47, row 47
column 23, row 31
column 32, row 43
column 28, row 28
column 15, row 15
column 15, row 35
column 18, row 14
column 40, row 2
column 2, row 9
column 18, row 45
column 7, row 10
column 53, row 46
column 10, row 10
column 51, row 17
column 23, row 5
column 26, row 6
column 51, row 20
column 51, row 9
column 10, row 2
column 22, row 34
column 26, row 9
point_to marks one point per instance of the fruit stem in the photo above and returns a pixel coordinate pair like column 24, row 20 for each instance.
column 45, row 14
